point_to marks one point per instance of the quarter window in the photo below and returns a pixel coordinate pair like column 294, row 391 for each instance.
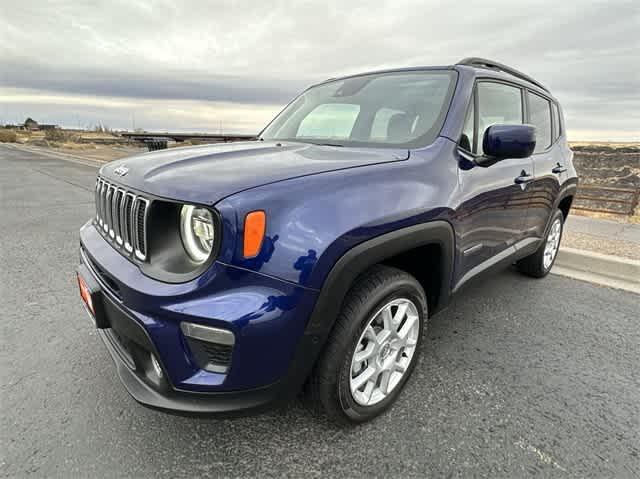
column 540, row 117
column 556, row 121
column 467, row 138
column 497, row 104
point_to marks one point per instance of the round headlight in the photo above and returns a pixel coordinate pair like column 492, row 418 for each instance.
column 197, row 231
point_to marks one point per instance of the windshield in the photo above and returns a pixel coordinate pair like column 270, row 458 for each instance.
column 398, row 109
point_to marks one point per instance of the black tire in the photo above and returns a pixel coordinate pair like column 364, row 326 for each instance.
column 533, row 265
column 328, row 389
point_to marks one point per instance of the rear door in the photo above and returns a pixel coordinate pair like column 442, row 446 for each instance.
column 548, row 163
column 491, row 215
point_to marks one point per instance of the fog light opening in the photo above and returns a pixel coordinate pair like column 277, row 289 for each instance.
column 211, row 348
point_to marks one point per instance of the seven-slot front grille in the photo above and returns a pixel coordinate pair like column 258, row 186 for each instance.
column 121, row 216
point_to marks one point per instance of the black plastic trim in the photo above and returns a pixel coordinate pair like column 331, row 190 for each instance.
column 253, row 400
column 505, row 257
column 358, row 259
column 568, row 189
column 353, row 263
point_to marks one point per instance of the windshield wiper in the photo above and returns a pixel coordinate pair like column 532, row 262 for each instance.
column 329, row 144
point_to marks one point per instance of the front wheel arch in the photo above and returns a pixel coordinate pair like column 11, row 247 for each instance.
column 363, row 256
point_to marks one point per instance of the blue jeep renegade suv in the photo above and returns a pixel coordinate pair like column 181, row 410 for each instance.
column 227, row 278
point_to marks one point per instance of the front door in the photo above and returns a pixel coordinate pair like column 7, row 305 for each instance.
column 491, row 215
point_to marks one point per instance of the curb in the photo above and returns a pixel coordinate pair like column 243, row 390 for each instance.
column 607, row 270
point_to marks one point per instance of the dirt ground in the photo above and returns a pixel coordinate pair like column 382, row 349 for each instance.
column 101, row 146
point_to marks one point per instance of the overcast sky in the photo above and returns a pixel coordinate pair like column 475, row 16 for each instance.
column 206, row 66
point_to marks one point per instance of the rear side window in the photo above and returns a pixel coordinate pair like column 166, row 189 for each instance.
column 540, row 117
column 556, row 121
column 497, row 104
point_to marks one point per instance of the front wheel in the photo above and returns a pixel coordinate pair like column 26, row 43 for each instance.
column 538, row 264
column 372, row 348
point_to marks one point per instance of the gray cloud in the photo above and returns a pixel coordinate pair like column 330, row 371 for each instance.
column 167, row 84
column 262, row 53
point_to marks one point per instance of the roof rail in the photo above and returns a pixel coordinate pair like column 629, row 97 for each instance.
column 484, row 63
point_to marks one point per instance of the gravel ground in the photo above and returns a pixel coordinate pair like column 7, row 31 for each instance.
column 518, row 377
column 625, row 249
column 617, row 238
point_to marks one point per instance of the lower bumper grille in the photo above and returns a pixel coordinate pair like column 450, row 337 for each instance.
column 211, row 348
column 211, row 353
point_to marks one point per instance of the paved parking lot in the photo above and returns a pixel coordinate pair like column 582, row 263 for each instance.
column 518, row 377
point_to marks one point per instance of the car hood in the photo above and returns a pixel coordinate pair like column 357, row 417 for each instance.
column 206, row 174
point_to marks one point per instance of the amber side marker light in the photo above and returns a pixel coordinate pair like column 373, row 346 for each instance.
column 254, row 228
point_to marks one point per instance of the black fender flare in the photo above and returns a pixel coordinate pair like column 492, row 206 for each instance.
column 342, row 275
column 364, row 255
column 568, row 189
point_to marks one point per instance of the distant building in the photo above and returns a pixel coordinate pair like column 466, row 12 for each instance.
column 32, row 125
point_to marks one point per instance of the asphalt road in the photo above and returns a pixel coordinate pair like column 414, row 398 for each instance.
column 518, row 377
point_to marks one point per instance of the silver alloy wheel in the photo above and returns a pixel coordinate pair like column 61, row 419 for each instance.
column 553, row 242
column 384, row 351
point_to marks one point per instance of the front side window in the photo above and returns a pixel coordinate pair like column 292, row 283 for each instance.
column 497, row 104
column 397, row 109
column 540, row 117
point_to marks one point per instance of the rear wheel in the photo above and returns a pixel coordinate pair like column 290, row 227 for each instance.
column 538, row 264
column 373, row 347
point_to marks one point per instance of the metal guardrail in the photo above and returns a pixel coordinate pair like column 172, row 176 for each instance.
column 607, row 199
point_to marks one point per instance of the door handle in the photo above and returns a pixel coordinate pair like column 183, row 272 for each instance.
column 523, row 178
column 558, row 169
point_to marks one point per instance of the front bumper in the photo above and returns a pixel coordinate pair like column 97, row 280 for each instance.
column 136, row 373
column 272, row 355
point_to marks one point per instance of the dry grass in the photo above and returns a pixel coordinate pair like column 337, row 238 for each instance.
column 8, row 136
column 610, row 144
column 56, row 135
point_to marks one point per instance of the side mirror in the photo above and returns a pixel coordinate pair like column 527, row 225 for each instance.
column 507, row 141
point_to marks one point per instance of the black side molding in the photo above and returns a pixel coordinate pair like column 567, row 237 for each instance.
column 361, row 257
